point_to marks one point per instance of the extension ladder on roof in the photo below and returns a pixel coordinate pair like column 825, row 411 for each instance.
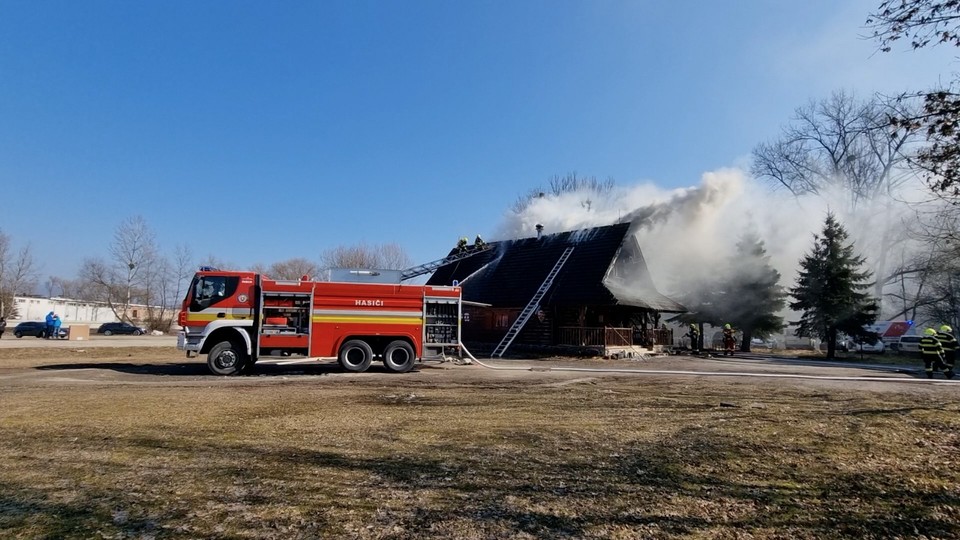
column 422, row 269
column 532, row 306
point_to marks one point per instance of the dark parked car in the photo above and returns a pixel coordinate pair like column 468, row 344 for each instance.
column 111, row 328
column 35, row 329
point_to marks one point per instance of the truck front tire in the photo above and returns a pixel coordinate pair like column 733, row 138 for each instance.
column 355, row 356
column 226, row 359
column 399, row 357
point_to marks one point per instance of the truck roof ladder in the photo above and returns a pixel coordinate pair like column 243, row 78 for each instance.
column 426, row 268
column 531, row 308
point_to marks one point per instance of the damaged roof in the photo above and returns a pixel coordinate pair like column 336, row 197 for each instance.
column 606, row 267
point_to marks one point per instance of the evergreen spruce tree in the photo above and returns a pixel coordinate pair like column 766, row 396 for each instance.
column 830, row 290
column 752, row 292
column 746, row 294
column 701, row 298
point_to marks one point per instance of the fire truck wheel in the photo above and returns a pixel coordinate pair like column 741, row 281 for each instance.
column 399, row 357
column 225, row 359
column 355, row 355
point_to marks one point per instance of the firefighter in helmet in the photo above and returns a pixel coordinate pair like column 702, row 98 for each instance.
column 728, row 340
column 694, row 334
column 949, row 343
column 462, row 244
column 478, row 242
column 931, row 351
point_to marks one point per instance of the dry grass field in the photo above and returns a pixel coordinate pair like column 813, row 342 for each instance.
column 135, row 443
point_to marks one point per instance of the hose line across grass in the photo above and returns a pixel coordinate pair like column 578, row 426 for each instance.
column 710, row 373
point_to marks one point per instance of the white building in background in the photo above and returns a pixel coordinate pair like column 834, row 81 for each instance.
column 31, row 308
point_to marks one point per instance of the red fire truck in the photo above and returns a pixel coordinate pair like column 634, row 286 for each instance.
column 236, row 318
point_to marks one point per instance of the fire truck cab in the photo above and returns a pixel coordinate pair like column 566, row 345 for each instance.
column 237, row 318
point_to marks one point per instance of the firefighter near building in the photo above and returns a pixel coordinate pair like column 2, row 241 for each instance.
column 237, row 318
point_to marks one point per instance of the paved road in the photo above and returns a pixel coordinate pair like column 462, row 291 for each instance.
column 9, row 341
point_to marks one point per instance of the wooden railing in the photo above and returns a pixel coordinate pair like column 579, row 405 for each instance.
column 659, row 337
column 613, row 337
column 584, row 336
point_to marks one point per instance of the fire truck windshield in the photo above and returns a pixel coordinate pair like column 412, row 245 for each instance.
column 210, row 290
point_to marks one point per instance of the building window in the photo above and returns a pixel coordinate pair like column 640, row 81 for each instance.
column 501, row 320
column 134, row 314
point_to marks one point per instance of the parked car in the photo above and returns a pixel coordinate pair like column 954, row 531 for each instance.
column 867, row 345
column 35, row 329
column 111, row 328
column 760, row 342
column 908, row 344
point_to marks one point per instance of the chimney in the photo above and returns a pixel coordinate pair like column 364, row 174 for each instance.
column 539, row 230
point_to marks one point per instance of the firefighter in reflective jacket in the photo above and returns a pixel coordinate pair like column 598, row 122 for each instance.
column 728, row 340
column 462, row 244
column 931, row 351
column 949, row 344
column 694, row 334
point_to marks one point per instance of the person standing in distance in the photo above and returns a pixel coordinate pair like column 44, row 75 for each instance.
column 56, row 326
column 49, row 329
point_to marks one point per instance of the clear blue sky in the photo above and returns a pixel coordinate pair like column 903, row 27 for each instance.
column 261, row 131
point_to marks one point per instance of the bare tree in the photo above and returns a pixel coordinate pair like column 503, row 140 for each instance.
column 216, row 262
column 588, row 186
column 260, row 268
column 53, row 287
column 927, row 23
column 383, row 256
column 839, row 143
column 290, row 269
column 67, row 288
column 923, row 22
column 158, row 293
column 843, row 149
column 18, row 274
column 394, row 257
column 928, row 277
column 133, row 272
column 183, row 269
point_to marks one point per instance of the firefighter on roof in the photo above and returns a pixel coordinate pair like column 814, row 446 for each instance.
column 478, row 242
column 949, row 343
column 931, row 351
column 728, row 340
column 462, row 244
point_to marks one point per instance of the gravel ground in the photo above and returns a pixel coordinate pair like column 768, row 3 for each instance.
column 9, row 341
column 153, row 360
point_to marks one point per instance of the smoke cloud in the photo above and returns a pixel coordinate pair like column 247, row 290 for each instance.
column 689, row 234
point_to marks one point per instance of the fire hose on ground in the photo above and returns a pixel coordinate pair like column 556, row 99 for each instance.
column 707, row 373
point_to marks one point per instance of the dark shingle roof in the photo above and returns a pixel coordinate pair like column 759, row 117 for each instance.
column 510, row 274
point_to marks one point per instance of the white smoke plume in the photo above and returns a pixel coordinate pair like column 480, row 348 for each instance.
column 687, row 234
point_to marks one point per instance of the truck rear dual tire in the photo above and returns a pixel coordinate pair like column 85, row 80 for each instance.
column 399, row 357
column 225, row 358
column 355, row 356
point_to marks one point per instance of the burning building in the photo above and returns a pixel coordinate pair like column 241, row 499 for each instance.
column 584, row 289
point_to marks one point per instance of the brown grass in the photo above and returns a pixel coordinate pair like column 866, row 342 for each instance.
column 425, row 457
